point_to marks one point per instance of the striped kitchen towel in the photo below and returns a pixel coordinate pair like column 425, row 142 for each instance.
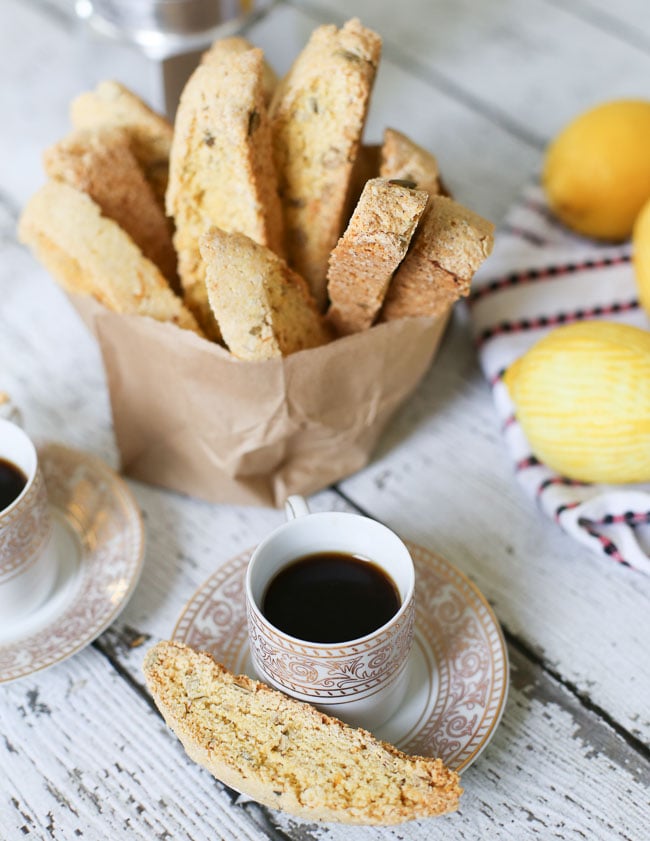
column 539, row 277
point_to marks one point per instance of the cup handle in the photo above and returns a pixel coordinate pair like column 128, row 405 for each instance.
column 295, row 506
column 9, row 411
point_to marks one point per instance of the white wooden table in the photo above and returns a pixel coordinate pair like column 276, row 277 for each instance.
column 83, row 754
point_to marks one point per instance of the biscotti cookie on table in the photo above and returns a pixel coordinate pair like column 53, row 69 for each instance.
column 285, row 753
column 89, row 254
column 263, row 308
column 317, row 115
column 369, row 252
column 221, row 167
column 99, row 162
column 403, row 159
column 150, row 134
column 450, row 244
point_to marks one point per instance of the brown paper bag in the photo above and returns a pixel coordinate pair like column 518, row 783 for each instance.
column 190, row 417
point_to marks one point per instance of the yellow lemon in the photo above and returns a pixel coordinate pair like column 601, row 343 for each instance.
column 582, row 396
column 597, row 171
column 641, row 239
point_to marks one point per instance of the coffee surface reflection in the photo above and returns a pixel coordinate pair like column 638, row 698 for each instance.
column 330, row 597
column 12, row 483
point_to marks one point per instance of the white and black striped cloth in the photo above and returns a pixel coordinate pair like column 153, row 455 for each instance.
column 540, row 276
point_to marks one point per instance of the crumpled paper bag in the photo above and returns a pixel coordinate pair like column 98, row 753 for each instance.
column 190, row 417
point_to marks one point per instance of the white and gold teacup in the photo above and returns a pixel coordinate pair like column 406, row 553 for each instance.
column 27, row 557
column 364, row 680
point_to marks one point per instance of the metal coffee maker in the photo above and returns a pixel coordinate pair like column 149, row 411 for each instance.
column 152, row 46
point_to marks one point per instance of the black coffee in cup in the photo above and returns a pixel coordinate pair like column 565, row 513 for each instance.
column 12, row 483
column 330, row 597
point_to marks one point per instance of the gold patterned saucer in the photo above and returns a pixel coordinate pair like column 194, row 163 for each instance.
column 99, row 543
column 458, row 667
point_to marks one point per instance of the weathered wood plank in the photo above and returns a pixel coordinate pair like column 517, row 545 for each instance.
column 554, row 767
column 530, row 65
column 452, row 130
column 84, row 756
column 627, row 19
column 552, row 771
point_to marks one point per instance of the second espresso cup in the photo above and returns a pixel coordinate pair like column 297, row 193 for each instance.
column 27, row 558
column 364, row 680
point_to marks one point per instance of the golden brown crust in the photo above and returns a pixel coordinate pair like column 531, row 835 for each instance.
column 402, row 158
column 91, row 255
column 263, row 308
column 99, row 162
column 150, row 134
column 369, row 252
column 286, row 754
column 221, row 167
column 449, row 246
column 365, row 167
column 318, row 114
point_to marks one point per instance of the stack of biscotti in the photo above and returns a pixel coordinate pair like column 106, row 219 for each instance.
column 260, row 219
column 285, row 753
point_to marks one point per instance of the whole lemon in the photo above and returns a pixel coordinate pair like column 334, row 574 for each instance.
column 597, row 171
column 641, row 240
column 582, row 396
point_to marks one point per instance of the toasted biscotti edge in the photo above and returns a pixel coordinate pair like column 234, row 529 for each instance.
column 91, row 255
column 372, row 247
column 112, row 104
column 317, row 116
column 100, row 162
column 221, row 166
column 278, row 766
column 263, row 308
column 450, row 245
column 401, row 158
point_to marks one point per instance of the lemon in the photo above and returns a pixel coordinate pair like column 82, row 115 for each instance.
column 597, row 171
column 641, row 240
column 582, row 396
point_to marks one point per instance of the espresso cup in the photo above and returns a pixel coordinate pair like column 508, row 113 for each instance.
column 364, row 680
column 27, row 562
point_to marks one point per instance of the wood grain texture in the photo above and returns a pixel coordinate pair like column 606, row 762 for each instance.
column 82, row 752
column 530, row 65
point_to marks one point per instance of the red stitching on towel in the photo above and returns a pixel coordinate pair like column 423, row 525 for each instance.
column 541, row 321
column 631, row 518
column 559, row 480
column 609, row 547
column 496, row 378
column 566, row 507
column 529, row 461
column 544, row 273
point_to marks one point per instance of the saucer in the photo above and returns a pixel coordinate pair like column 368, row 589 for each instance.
column 458, row 665
column 98, row 538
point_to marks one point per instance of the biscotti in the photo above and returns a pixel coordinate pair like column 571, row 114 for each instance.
column 113, row 105
column 403, row 159
column 221, row 166
column 237, row 45
column 99, row 162
column 365, row 258
column 285, row 753
column 366, row 167
column 449, row 246
column 263, row 308
column 317, row 116
column 89, row 254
